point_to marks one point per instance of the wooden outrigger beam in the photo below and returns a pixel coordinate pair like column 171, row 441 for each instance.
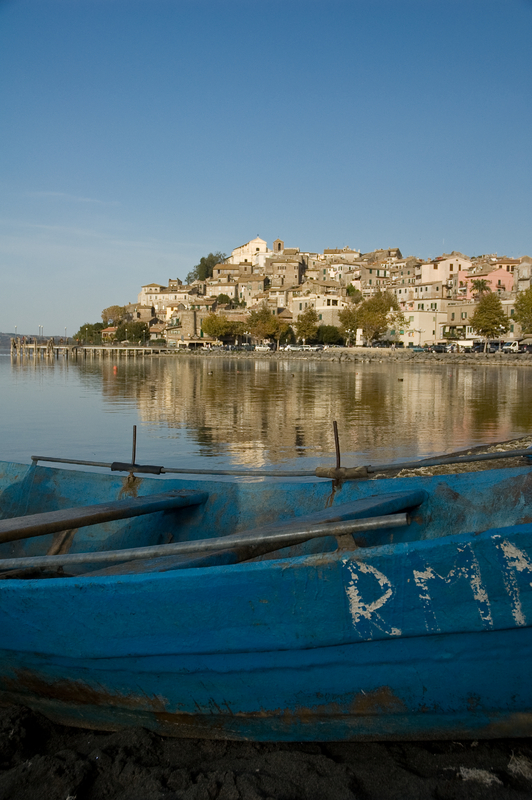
column 269, row 540
column 53, row 521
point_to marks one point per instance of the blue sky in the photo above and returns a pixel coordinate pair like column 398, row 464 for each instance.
column 138, row 136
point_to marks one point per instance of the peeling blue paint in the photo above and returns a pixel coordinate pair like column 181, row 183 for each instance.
column 424, row 632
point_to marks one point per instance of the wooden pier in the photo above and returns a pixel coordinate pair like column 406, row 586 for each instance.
column 48, row 350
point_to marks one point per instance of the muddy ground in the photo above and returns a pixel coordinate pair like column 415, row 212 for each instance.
column 43, row 761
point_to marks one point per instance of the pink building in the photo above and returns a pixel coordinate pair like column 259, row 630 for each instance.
column 499, row 280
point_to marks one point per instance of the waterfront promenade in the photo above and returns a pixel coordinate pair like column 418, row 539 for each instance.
column 79, row 352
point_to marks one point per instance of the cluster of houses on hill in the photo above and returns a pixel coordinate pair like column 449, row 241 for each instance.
column 436, row 296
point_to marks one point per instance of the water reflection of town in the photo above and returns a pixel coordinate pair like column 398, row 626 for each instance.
column 264, row 411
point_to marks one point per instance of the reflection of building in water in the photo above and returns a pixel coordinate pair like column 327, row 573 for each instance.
column 259, row 412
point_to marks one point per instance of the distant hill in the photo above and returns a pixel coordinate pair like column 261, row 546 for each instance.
column 5, row 338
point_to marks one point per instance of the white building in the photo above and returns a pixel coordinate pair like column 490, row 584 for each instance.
column 254, row 252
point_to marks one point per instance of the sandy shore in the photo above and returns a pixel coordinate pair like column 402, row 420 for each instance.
column 43, row 761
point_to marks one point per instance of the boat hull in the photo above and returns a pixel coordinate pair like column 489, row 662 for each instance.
column 455, row 686
column 406, row 638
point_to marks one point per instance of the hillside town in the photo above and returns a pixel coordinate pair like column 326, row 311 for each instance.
column 436, row 297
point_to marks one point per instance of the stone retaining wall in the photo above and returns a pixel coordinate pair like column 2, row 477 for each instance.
column 374, row 354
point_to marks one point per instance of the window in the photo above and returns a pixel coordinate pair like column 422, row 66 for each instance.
column 452, row 315
column 369, row 280
column 328, row 302
column 335, row 302
column 451, row 267
column 320, row 316
column 410, row 319
column 371, row 272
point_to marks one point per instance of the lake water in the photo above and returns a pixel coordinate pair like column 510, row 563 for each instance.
column 207, row 412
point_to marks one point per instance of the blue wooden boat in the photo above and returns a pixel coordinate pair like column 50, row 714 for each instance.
column 293, row 609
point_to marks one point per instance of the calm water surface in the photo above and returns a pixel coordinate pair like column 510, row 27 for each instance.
column 216, row 412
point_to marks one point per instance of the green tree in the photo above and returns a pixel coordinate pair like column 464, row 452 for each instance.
column 523, row 310
column 480, row 286
column 355, row 295
column 329, row 334
column 216, row 325
column 113, row 315
column 92, row 334
column 282, row 331
column 204, row 269
column 261, row 323
column 378, row 314
column 489, row 319
column 349, row 321
column 306, row 325
column 223, row 300
column 132, row 331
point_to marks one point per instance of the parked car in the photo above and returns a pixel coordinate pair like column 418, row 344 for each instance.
column 438, row 348
column 511, row 347
column 417, row 348
column 263, row 348
column 493, row 346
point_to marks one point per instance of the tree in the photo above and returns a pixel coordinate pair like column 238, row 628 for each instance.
column 306, row 325
column 216, row 325
column 223, row 300
column 132, row 331
column 523, row 310
column 349, row 321
column 378, row 314
column 90, row 333
column 355, row 295
column 261, row 323
column 489, row 319
column 113, row 315
column 282, row 331
column 480, row 286
column 204, row 269
column 329, row 334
